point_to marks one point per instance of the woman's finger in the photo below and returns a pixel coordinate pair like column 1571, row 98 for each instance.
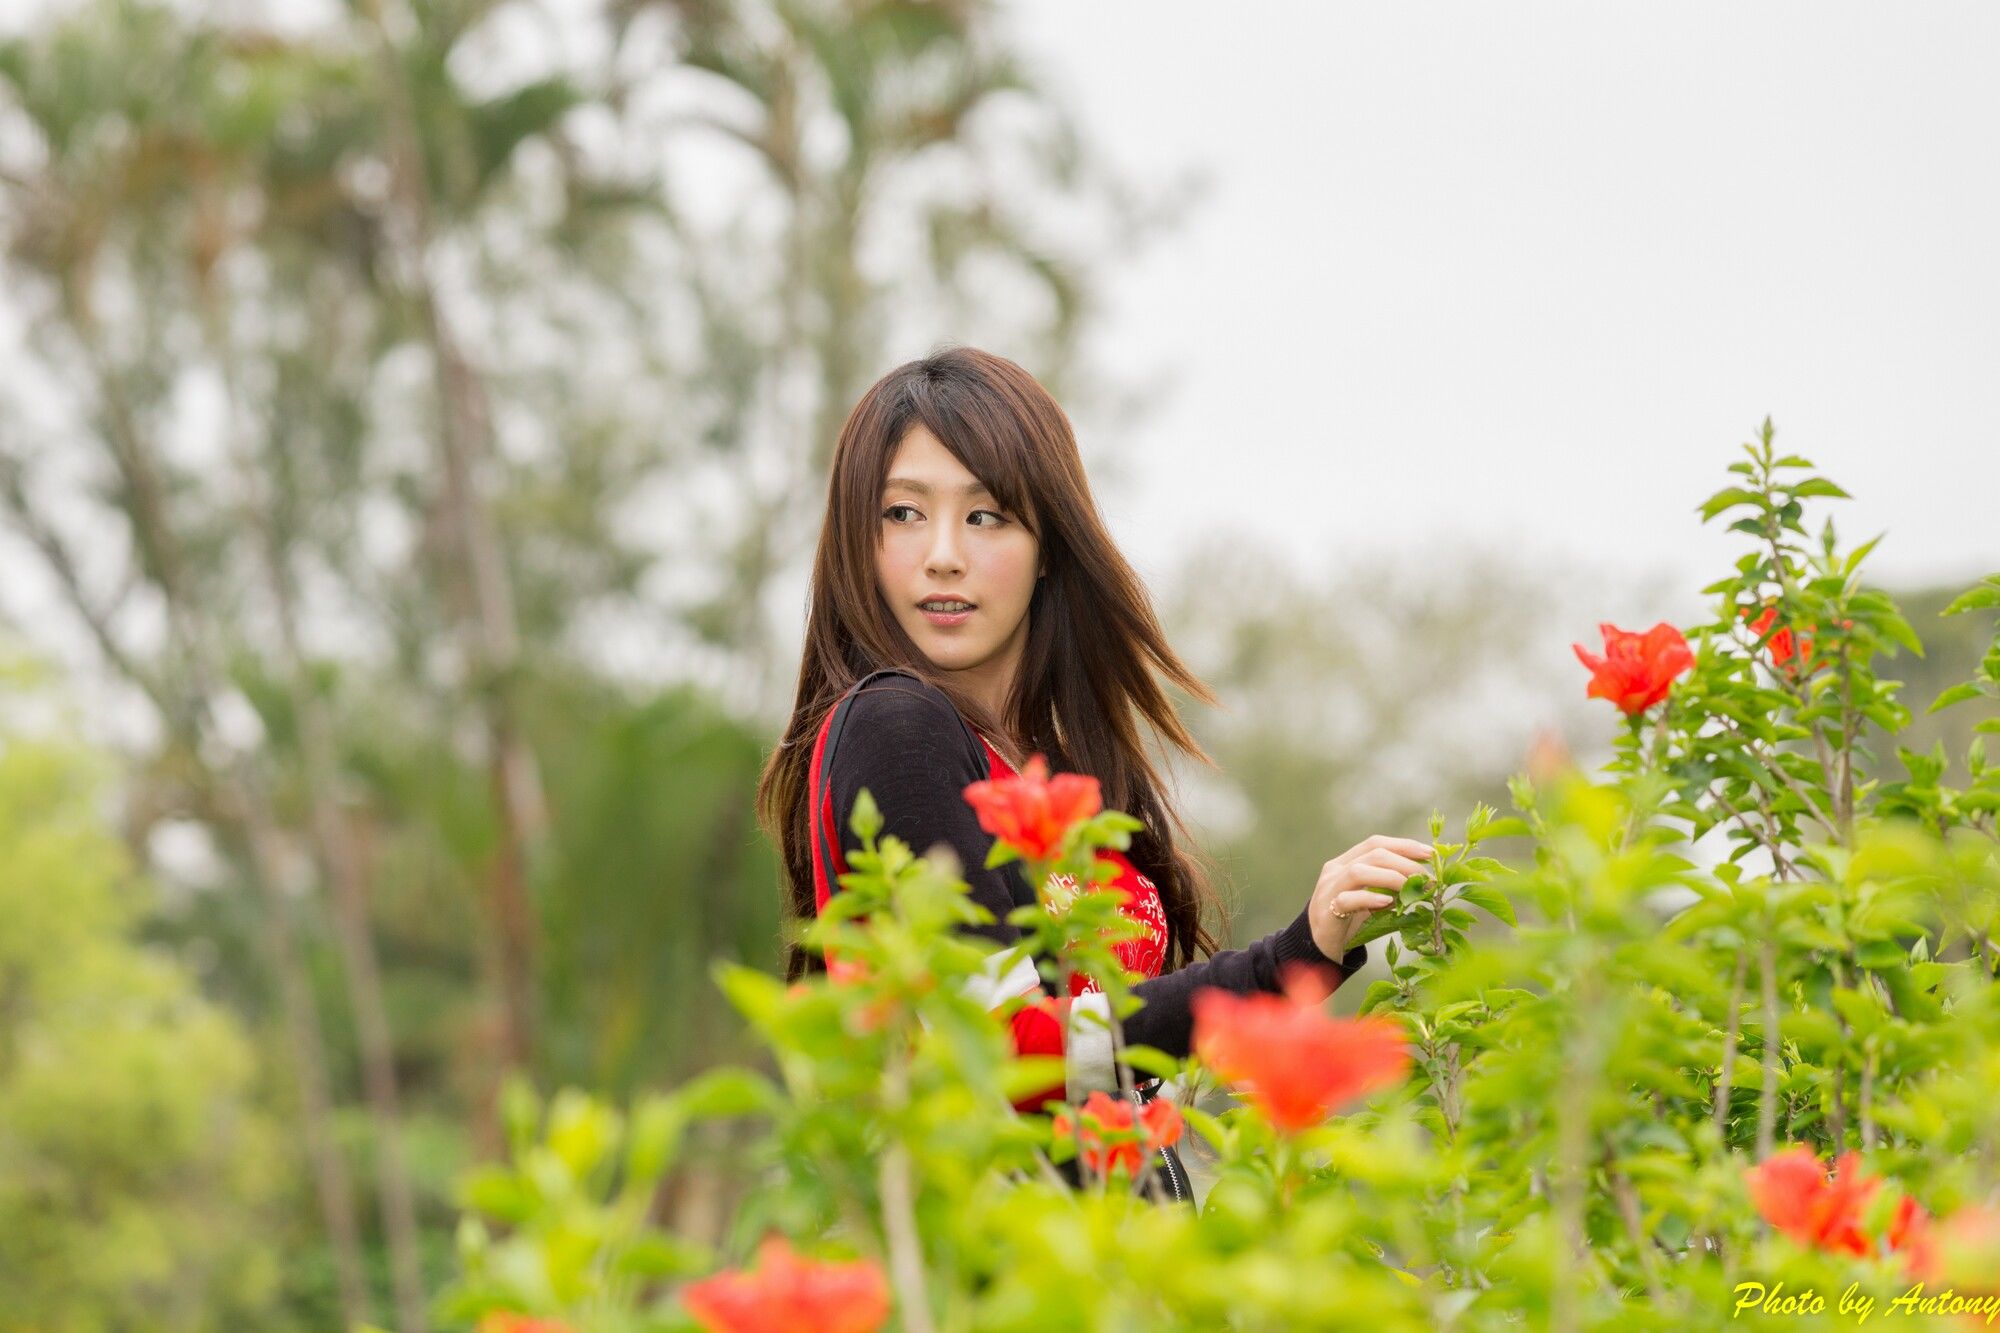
column 1360, row 873
column 1360, row 900
column 1403, row 865
column 1406, row 846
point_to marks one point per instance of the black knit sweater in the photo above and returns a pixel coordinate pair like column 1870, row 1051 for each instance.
column 906, row 744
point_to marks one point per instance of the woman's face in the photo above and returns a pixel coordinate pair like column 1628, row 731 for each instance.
column 943, row 535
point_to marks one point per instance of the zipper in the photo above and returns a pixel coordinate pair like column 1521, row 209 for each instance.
column 1171, row 1166
column 1178, row 1185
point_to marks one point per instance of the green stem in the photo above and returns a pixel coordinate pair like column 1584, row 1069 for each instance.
column 1767, row 1107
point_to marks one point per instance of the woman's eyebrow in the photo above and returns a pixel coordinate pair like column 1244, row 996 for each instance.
column 923, row 488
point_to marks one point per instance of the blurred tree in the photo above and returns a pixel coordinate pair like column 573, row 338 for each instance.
column 1357, row 700
column 397, row 407
column 137, row 1180
column 914, row 185
column 124, row 189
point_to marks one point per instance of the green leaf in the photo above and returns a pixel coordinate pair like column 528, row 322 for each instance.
column 757, row 995
column 1383, row 923
column 655, row 1255
column 1379, row 993
column 866, row 821
column 725, row 1092
column 1510, row 826
column 1206, row 1125
column 1817, row 486
column 1151, row 1060
column 654, row 1140
column 498, row 1193
column 1879, row 954
column 1728, row 498
column 1957, row 694
column 1026, row 1075
column 1899, row 629
column 1982, row 597
column 1491, row 899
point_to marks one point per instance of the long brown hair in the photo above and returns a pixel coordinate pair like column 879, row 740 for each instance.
column 1094, row 642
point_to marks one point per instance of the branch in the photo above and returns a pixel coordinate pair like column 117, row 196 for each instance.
column 1628, row 1209
column 899, row 1216
column 1778, row 770
column 1728, row 1079
column 13, row 490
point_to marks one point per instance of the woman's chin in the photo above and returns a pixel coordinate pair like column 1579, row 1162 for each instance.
column 948, row 656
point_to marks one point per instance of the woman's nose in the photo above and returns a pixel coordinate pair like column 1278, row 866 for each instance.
column 945, row 556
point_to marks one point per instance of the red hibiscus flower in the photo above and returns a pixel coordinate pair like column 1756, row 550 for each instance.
column 1636, row 669
column 1792, row 1192
column 1031, row 812
column 788, row 1292
column 1290, row 1060
column 1782, row 646
column 1792, row 653
column 1112, row 1133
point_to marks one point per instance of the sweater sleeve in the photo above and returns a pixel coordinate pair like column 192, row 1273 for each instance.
column 904, row 743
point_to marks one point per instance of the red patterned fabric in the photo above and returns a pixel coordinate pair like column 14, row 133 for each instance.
column 1143, row 954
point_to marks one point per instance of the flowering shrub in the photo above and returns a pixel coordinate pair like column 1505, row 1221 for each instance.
column 1719, row 1040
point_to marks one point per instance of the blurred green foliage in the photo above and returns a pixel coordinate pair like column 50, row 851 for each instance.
column 140, row 1179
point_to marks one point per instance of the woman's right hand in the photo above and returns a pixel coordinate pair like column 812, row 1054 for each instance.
column 1350, row 888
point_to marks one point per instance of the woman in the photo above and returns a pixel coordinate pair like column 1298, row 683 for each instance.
column 968, row 609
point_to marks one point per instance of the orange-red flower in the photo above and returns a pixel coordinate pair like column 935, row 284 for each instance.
column 1792, row 1192
column 509, row 1321
column 1637, row 669
column 1910, row 1235
column 1290, row 1060
column 845, row 971
column 1031, row 811
column 1790, row 652
column 1783, row 646
column 1963, row 1249
column 848, row 972
column 1114, row 1137
column 788, row 1292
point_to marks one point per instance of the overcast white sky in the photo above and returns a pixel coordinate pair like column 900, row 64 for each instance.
column 1532, row 272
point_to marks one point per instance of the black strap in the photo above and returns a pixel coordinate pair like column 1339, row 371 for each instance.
column 828, row 841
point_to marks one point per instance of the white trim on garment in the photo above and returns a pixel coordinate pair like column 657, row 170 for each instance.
column 1088, row 1065
column 993, row 986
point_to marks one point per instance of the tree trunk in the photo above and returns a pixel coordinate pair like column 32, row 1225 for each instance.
column 308, row 1052
column 340, row 869
column 464, row 439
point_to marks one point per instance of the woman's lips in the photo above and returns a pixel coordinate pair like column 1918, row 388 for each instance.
column 943, row 618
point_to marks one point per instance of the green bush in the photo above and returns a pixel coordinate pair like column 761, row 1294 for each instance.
column 136, row 1177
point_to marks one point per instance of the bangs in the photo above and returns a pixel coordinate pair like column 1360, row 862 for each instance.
column 990, row 443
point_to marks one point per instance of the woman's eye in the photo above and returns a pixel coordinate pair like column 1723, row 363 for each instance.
column 998, row 519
